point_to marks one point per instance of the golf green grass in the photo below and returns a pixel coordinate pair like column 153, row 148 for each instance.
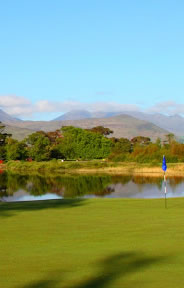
column 92, row 243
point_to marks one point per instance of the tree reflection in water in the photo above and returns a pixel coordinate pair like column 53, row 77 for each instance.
column 70, row 186
column 65, row 186
column 175, row 181
column 141, row 181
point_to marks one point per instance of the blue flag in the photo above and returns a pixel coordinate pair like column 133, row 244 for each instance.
column 164, row 165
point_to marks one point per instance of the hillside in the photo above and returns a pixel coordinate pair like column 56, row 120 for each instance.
column 18, row 133
column 174, row 123
column 122, row 125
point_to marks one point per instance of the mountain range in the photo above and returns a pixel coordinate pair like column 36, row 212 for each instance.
column 174, row 123
column 124, row 123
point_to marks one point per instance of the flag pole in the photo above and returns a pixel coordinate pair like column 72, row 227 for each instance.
column 165, row 190
column 164, row 168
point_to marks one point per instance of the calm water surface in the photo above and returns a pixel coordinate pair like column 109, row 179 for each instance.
column 16, row 187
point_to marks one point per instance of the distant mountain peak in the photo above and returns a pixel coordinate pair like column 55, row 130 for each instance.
column 6, row 118
column 74, row 115
column 176, row 116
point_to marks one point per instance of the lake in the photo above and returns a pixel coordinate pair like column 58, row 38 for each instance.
column 25, row 187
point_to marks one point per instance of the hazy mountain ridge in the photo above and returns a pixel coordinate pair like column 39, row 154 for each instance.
column 74, row 115
column 84, row 114
column 122, row 125
column 6, row 118
column 125, row 125
column 174, row 123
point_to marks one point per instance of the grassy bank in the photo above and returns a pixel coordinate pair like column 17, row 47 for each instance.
column 92, row 243
column 96, row 167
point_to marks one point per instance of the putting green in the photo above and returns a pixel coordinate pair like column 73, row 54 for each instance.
column 92, row 243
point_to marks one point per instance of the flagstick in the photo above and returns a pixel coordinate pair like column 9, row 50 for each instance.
column 165, row 190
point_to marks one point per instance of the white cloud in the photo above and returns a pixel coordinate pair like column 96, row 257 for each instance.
column 47, row 106
column 112, row 107
column 167, row 107
column 13, row 100
column 16, row 105
column 23, row 107
column 51, row 106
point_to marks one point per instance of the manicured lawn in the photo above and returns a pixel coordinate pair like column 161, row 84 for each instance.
column 92, row 243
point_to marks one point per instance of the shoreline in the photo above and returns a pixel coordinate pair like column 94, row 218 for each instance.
column 95, row 167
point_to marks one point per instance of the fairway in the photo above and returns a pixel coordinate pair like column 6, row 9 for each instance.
column 92, row 243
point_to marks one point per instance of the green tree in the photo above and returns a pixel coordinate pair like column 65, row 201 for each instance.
column 101, row 130
column 15, row 150
column 170, row 138
column 158, row 142
column 121, row 145
column 141, row 140
column 38, row 146
column 79, row 143
column 3, row 137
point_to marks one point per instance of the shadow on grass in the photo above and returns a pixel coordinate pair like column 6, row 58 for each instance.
column 110, row 269
column 11, row 208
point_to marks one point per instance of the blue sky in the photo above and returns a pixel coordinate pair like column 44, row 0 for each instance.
column 60, row 55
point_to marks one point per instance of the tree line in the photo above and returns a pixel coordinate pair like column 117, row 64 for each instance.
column 71, row 143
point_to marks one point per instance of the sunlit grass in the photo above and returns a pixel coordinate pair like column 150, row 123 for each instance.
column 96, row 166
column 92, row 243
